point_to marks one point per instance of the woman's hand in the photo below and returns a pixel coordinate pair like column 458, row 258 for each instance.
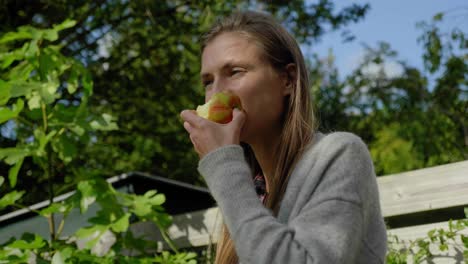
column 207, row 136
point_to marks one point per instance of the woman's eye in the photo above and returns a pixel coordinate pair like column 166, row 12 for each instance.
column 236, row 71
column 207, row 84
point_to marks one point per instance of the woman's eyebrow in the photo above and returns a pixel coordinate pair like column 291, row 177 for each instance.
column 227, row 65
column 236, row 63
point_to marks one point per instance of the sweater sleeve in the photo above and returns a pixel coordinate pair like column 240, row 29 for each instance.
column 328, row 228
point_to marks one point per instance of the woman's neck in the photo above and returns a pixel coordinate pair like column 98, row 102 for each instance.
column 265, row 153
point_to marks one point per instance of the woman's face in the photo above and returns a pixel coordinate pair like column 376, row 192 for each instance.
column 233, row 62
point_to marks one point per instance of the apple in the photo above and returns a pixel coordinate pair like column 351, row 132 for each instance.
column 219, row 108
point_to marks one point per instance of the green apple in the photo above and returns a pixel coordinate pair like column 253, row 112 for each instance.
column 219, row 108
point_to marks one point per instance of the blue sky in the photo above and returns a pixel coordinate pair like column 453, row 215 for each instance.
column 392, row 21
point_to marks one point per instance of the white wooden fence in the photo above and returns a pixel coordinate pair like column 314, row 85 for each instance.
column 401, row 194
column 426, row 190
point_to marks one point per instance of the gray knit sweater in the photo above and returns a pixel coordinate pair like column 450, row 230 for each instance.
column 330, row 212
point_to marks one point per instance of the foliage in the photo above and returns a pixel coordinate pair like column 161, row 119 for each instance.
column 144, row 60
column 411, row 119
column 434, row 244
column 45, row 95
column 389, row 149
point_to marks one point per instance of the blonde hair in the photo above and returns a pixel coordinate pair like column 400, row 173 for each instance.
column 279, row 49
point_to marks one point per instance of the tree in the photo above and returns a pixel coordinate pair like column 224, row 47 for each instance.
column 34, row 79
column 144, row 60
column 412, row 119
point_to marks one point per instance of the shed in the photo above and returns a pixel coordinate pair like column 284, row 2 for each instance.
column 180, row 198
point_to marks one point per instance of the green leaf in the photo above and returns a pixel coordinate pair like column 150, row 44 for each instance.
column 138, row 243
column 43, row 140
column 72, row 82
column 50, row 34
column 77, row 129
column 48, row 91
column 466, row 212
column 38, row 242
column 32, row 50
column 10, row 198
column 158, row 199
column 48, row 62
column 35, row 32
column 72, row 202
column 5, row 93
column 163, row 219
column 182, row 257
column 13, row 155
column 87, row 82
column 62, row 66
column 102, row 218
column 88, row 231
column 68, row 23
column 7, row 113
column 11, row 36
column 23, row 88
column 150, row 193
column 2, row 180
column 13, row 173
column 105, row 122
column 61, row 256
column 65, row 148
column 464, row 240
column 438, row 16
column 121, row 225
column 54, row 208
column 63, row 114
column 443, row 247
column 20, row 72
column 93, row 233
column 141, row 207
column 57, row 258
column 35, row 101
column 88, row 195
column 7, row 59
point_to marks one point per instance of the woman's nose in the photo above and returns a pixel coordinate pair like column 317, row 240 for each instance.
column 217, row 86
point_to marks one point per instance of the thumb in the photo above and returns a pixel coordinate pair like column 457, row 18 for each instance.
column 238, row 117
column 237, row 123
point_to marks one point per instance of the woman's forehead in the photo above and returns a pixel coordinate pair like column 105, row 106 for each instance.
column 230, row 48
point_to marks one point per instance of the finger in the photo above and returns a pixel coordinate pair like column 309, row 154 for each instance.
column 188, row 127
column 237, row 123
column 238, row 117
column 191, row 117
column 194, row 143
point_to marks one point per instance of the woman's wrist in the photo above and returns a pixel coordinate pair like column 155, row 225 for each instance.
column 220, row 156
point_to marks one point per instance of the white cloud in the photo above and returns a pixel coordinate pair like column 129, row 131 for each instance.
column 392, row 69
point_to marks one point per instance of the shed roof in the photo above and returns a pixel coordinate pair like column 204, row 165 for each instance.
column 180, row 197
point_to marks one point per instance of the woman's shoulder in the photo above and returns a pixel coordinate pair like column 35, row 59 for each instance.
column 336, row 140
column 330, row 145
column 332, row 154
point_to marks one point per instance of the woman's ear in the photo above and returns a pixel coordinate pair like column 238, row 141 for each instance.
column 290, row 75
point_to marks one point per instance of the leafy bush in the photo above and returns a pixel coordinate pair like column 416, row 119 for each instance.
column 424, row 249
column 43, row 98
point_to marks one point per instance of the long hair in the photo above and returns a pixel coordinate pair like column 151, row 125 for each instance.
column 279, row 49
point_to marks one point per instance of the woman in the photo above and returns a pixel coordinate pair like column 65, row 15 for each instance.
column 321, row 199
